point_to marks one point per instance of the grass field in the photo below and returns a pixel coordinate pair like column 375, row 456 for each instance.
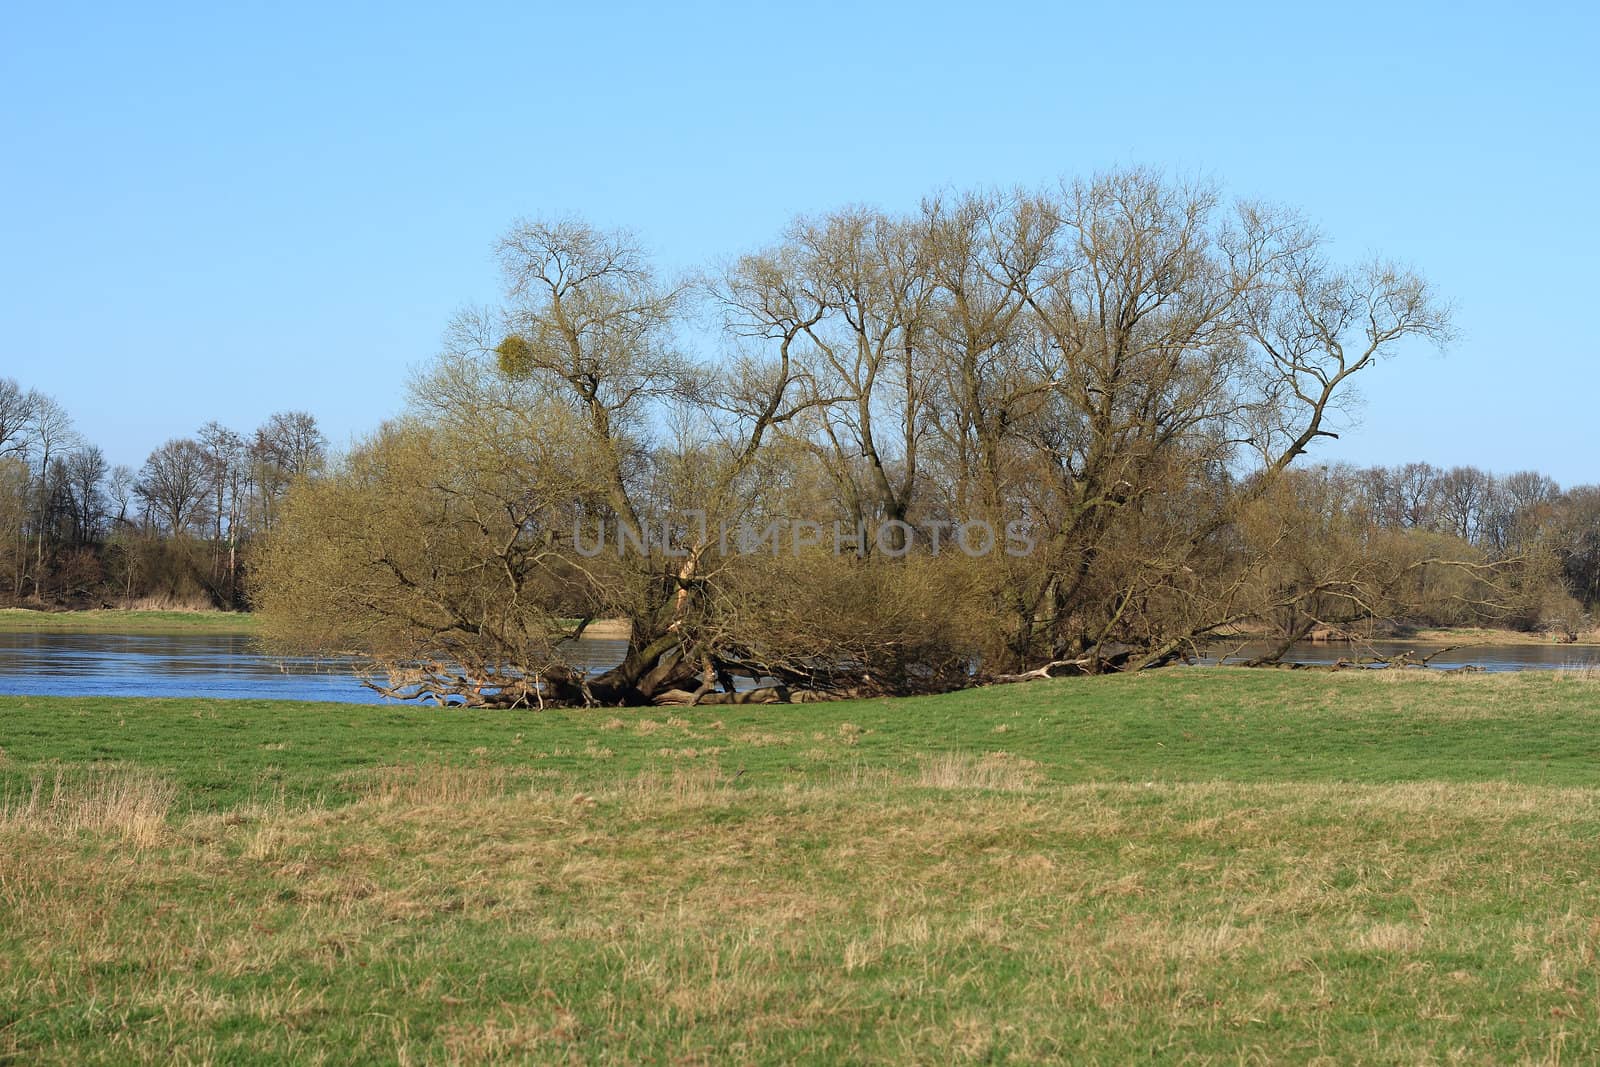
column 13, row 620
column 1206, row 866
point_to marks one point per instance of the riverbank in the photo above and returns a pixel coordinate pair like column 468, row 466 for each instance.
column 1436, row 636
column 14, row 620
column 22, row 620
column 1468, row 637
column 1221, row 864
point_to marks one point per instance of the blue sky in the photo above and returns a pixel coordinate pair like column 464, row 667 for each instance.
column 224, row 210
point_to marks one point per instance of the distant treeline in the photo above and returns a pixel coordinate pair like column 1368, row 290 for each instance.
column 76, row 530
column 1468, row 514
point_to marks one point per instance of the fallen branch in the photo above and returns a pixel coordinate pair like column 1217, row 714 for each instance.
column 1059, row 668
column 1072, row 668
column 771, row 694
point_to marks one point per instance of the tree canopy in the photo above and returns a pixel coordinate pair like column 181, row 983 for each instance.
column 1003, row 431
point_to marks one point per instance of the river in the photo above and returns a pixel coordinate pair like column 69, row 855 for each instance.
column 233, row 666
column 195, row 665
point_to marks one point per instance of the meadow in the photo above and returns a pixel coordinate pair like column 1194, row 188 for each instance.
column 121, row 621
column 1195, row 866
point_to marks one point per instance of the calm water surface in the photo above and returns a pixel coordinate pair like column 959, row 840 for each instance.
column 194, row 665
column 231, row 665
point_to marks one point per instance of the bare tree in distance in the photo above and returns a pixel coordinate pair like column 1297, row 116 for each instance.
column 52, row 435
column 121, row 487
column 16, row 415
column 294, row 442
column 173, row 483
column 287, row 446
column 86, row 473
column 227, row 462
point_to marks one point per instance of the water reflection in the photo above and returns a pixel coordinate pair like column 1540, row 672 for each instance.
column 195, row 665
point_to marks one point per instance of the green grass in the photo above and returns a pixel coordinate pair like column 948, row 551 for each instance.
column 1208, row 866
column 15, row 620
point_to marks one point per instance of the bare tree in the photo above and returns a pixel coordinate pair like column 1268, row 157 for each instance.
column 121, row 487
column 224, row 452
column 16, row 504
column 1579, row 537
column 868, row 366
column 1418, row 485
column 52, row 434
column 1126, row 368
column 294, row 442
column 1521, row 507
column 173, row 483
column 289, row 445
column 1463, row 497
column 227, row 462
column 16, row 415
column 86, row 473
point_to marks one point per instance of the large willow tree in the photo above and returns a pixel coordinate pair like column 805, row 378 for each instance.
column 1119, row 373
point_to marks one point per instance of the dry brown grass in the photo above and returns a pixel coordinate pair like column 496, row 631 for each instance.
column 677, row 915
column 609, row 629
column 691, row 783
column 1000, row 771
column 166, row 602
column 433, row 784
column 129, row 803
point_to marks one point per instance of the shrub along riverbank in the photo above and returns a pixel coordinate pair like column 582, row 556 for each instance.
column 1221, row 864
